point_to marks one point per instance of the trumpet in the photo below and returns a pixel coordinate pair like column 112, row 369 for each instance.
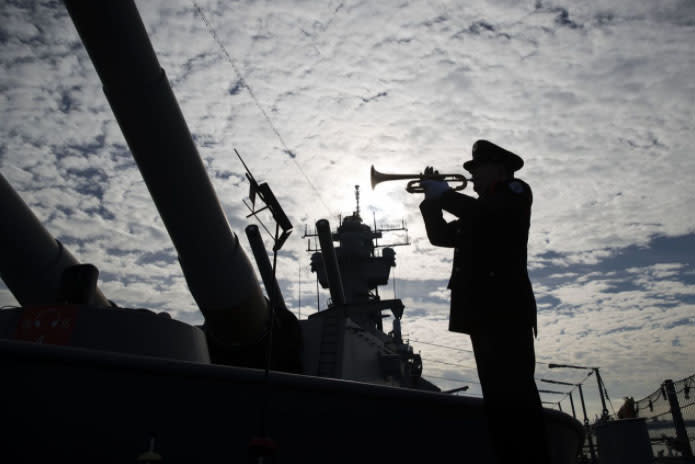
column 414, row 186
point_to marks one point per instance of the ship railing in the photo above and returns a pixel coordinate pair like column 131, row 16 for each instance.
column 670, row 416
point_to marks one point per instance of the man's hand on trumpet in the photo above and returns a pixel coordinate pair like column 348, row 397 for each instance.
column 433, row 188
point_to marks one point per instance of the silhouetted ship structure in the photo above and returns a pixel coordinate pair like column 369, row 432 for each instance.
column 86, row 381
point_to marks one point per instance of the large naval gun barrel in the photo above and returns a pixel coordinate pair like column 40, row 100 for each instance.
column 33, row 261
column 335, row 282
column 218, row 273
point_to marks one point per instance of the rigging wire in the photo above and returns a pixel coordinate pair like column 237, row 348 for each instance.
column 244, row 83
column 472, row 367
column 477, row 395
column 581, row 383
column 448, row 363
column 450, row 379
column 576, row 386
column 441, row 346
column 456, row 349
column 607, row 397
column 478, row 383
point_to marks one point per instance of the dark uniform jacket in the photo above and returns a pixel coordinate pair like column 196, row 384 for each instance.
column 490, row 287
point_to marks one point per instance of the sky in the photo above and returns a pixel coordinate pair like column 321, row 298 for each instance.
column 597, row 97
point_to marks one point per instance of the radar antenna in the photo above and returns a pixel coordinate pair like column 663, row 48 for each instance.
column 266, row 195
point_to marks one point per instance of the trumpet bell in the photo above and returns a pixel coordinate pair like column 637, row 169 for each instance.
column 378, row 177
column 373, row 176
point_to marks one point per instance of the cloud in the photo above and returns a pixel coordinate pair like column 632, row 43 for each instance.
column 596, row 96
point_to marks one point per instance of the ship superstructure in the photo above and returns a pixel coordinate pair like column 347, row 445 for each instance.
column 347, row 340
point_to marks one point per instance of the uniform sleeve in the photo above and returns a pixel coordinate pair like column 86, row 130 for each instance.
column 460, row 205
column 439, row 232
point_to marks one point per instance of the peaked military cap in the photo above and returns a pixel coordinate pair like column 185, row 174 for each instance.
column 487, row 152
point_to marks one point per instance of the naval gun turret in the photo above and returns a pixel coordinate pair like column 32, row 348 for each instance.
column 61, row 303
column 217, row 271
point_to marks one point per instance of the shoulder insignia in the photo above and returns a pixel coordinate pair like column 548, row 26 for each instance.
column 516, row 187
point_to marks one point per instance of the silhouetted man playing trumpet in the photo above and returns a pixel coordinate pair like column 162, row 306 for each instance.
column 491, row 295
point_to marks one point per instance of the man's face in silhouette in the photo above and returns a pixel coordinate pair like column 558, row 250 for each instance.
column 486, row 175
